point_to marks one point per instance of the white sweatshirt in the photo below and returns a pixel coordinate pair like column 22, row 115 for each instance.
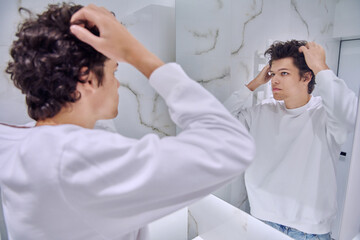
column 292, row 179
column 67, row 182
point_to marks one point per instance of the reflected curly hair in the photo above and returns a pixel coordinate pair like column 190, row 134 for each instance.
column 279, row 50
column 47, row 59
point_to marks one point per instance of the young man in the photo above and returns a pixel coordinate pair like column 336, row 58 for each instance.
column 64, row 180
column 291, row 184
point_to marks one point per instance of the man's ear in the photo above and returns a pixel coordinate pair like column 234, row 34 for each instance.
column 87, row 79
column 84, row 74
column 307, row 77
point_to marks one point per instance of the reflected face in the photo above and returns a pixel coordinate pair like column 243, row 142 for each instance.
column 107, row 96
column 286, row 82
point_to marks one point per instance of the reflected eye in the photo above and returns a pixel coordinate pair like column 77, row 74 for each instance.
column 272, row 74
column 284, row 73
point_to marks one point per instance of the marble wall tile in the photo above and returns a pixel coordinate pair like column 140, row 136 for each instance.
column 241, row 29
column 210, row 72
column 203, row 43
column 141, row 109
column 201, row 29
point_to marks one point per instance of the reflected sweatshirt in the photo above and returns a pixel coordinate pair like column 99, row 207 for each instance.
column 67, row 182
column 292, row 180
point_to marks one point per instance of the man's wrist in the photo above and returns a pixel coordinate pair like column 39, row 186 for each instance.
column 320, row 68
column 144, row 60
column 253, row 85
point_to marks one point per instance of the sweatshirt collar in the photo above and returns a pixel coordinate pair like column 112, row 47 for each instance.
column 299, row 110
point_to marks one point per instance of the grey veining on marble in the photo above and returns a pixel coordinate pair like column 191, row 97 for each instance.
column 140, row 118
column 141, row 109
column 210, row 34
column 294, row 5
column 244, row 28
column 155, row 101
column 223, row 75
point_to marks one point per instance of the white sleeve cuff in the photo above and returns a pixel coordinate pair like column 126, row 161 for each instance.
column 166, row 77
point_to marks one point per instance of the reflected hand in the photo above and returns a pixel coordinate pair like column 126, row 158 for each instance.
column 262, row 78
column 314, row 56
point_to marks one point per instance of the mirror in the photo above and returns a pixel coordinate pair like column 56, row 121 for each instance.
column 220, row 44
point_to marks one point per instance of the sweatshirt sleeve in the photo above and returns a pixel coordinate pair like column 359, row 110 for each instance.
column 119, row 184
column 239, row 105
column 340, row 104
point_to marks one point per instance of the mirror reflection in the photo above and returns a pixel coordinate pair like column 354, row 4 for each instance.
column 297, row 169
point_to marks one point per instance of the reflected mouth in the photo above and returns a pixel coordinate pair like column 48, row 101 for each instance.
column 276, row 89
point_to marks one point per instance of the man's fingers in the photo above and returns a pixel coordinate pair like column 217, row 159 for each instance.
column 90, row 13
column 310, row 44
column 87, row 13
column 303, row 49
column 84, row 35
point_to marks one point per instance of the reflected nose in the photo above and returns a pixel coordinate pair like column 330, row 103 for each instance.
column 274, row 80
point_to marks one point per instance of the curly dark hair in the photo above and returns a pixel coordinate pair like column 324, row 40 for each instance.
column 47, row 59
column 279, row 50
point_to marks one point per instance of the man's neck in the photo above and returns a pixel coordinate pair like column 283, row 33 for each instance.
column 68, row 116
column 297, row 102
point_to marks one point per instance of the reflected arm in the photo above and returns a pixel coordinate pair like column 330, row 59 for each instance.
column 340, row 103
column 239, row 105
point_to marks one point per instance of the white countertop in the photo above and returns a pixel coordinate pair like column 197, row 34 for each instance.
column 215, row 219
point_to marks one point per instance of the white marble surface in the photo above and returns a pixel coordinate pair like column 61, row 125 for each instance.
column 215, row 219
column 170, row 227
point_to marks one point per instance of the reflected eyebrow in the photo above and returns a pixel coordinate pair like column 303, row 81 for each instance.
column 280, row 69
